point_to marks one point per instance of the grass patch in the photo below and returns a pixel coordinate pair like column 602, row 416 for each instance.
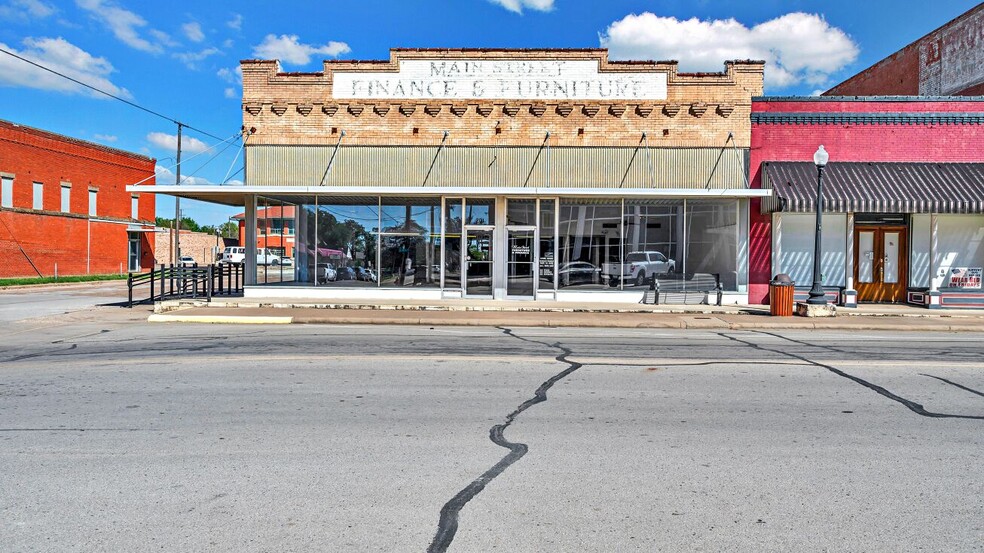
column 63, row 279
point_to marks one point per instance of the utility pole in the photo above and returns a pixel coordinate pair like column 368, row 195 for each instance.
column 177, row 205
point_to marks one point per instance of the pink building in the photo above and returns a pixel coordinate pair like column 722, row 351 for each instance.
column 903, row 198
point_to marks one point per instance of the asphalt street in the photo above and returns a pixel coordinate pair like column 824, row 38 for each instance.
column 119, row 435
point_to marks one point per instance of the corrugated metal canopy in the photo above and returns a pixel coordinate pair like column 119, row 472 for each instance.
column 876, row 187
column 539, row 166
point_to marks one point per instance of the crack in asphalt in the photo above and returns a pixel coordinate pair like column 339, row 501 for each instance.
column 950, row 382
column 908, row 403
column 40, row 354
column 448, row 524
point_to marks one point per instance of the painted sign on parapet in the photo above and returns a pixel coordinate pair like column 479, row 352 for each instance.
column 499, row 79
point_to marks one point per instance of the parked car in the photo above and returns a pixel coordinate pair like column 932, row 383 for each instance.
column 286, row 261
column 326, row 273
column 233, row 254
column 266, row 257
column 187, row 261
column 366, row 275
column 639, row 267
column 578, row 272
column 345, row 273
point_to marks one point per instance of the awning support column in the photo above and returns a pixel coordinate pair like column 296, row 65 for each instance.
column 934, row 247
column 249, row 276
column 850, row 294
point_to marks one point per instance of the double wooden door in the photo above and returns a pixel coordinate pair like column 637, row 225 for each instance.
column 880, row 263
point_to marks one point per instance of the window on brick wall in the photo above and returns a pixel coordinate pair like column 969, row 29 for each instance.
column 93, row 194
column 6, row 192
column 38, row 196
column 134, row 207
column 66, row 198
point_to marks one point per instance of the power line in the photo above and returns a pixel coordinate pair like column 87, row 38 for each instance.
column 125, row 101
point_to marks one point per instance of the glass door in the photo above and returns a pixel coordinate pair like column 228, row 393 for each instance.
column 134, row 256
column 478, row 261
column 521, row 252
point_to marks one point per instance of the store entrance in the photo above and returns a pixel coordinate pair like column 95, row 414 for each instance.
column 478, row 260
column 880, row 263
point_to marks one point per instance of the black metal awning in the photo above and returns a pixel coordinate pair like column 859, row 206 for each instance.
column 876, row 187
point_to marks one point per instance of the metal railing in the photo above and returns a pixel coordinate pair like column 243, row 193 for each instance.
column 173, row 282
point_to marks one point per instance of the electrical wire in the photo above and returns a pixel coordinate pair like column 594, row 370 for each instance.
column 125, row 101
column 205, row 151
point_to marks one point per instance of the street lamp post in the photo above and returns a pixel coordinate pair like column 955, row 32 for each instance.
column 817, row 296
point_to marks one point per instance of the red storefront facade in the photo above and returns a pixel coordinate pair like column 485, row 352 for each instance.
column 903, row 194
column 64, row 208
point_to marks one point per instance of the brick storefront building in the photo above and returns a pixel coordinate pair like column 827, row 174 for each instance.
column 64, row 206
column 903, row 197
column 489, row 173
column 946, row 62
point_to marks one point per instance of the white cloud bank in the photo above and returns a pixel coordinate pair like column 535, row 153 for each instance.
column 288, row 49
column 126, row 25
column 64, row 57
column 517, row 6
column 797, row 47
column 169, row 142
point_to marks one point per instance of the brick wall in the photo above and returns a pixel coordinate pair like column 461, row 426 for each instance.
column 199, row 245
column 945, row 143
column 299, row 108
column 947, row 61
column 48, row 236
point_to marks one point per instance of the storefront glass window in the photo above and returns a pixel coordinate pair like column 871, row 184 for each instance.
column 347, row 243
column 590, row 244
column 410, row 251
column 452, row 243
column 712, row 245
column 653, row 244
column 548, row 231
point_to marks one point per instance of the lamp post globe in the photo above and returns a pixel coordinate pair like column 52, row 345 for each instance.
column 817, row 295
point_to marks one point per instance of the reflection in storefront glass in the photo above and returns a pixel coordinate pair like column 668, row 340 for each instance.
column 590, row 245
column 547, row 263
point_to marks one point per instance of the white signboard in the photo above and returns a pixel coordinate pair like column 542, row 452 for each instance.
column 500, row 79
column 967, row 277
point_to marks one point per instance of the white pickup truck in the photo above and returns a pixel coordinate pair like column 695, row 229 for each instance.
column 237, row 255
column 638, row 268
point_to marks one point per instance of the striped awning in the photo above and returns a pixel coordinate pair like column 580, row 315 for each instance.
column 876, row 187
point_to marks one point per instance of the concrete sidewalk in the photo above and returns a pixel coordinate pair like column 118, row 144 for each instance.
column 560, row 314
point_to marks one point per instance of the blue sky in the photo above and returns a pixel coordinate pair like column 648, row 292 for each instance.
column 179, row 58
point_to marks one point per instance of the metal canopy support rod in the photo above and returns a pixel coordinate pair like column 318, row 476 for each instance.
column 537, row 158
column 632, row 159
column 433, row 161
column 332, row 160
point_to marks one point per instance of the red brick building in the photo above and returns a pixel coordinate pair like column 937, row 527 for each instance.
column 64, row 207
column 903, row 197
column 274, row 229
column 946, row 62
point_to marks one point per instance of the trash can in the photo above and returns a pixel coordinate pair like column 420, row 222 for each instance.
column 781, row 289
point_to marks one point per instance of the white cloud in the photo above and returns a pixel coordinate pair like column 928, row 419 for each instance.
column 193, row 30
column 796, row 47
column 234, row 75
column 191, row 59
column 227, row 43
column 163, row 175
column 288, row 49
column 231, row 93
column 518, row 5
column 59, row 55
column 25, row 10
column 106, row 137
column 169, row 142
column 236, row 22
column 125, row 25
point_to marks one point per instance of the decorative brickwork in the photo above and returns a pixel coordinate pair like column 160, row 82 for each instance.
column 699, row 109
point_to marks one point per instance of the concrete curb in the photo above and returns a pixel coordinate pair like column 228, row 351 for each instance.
column 566, row 320
column 219, row 319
